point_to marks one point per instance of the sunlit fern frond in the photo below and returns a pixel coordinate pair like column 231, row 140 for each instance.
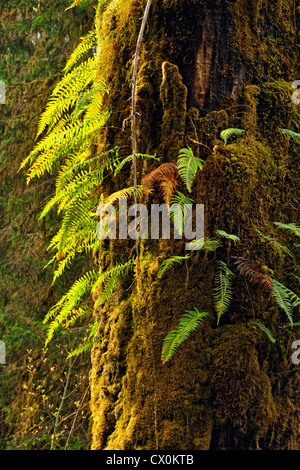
column 187, row 324
column 129, row 158
column 277, row 246
column 206, row 244
column 110, row 279
column 75, row 4
column 86, row 43
column 169, row 263
column 227, row 236
column 54, row 147
column 126, row 192
column 226, row 134
column 188, row 165
column 66, row 94
column 62, row 310
column 223, row 289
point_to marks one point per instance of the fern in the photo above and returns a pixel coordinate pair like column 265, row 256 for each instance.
column 88, row 343
column 87, row 42
column 169, row 263
column 178, row 210
column 274, row 243
column 110, row 279
column 266, row 331
column 283, row 297
column 223, row 289
column 226, row 134
column 206, row 244
column 61, row 312
column 128, row 159
column 166, row 175
column 188, row 165
column 227, row 236
column 291, row 226
column 291, row 134
column 188, row 323
column 254, row 272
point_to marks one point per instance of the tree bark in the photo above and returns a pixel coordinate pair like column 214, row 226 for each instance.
column 205, row 66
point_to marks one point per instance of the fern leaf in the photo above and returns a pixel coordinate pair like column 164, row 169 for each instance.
column 86, row 43
column 227, row 236
column 188, row 165
column 253, row 272
column 282, row 296
column 274, row 243
column 166, row 171
column 206, row 244
column 266, row 331
column 178, row 210
column 110, row 279
column 188, row 323
column 291, row 226
column 169, row 263
column 227, row 133
column 222, row 289
column 62, row 310
column 291, row 134
column 129, row 159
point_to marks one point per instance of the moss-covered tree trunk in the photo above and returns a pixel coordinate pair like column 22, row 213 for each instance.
column 205, row 66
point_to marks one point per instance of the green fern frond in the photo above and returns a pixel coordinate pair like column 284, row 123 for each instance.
column 206, row 244
column 223, row 289
column 283, row 297
column 86, row 43
column 169, row 263
column 291, row 134
column 227, row 133
column 274, row 243
column 188, row 165
column 266, row 331
column 227, row 236
column 188, row 323
column 178, row 210
column 291, row 226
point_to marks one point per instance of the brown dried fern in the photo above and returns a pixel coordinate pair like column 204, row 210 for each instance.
column 254, row 272
column 167, row 177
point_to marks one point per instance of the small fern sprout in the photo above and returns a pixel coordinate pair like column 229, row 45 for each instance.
column 226, row 134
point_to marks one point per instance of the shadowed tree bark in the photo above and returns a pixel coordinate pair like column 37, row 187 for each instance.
column 205, row 66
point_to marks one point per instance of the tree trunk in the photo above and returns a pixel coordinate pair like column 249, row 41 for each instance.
column 205, row 66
